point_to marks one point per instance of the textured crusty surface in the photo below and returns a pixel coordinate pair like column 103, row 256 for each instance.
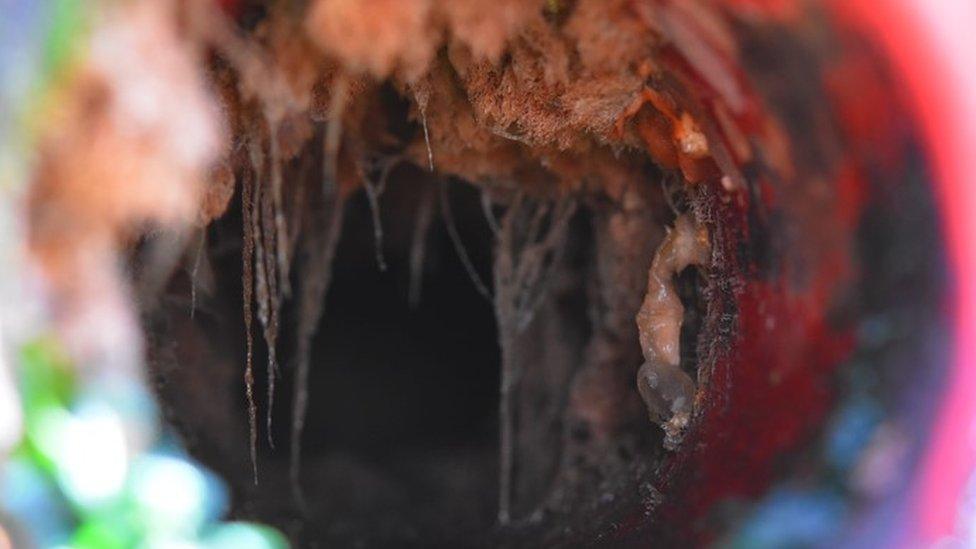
column 553, row 108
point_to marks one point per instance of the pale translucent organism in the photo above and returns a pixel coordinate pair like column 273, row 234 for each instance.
column 668, row 391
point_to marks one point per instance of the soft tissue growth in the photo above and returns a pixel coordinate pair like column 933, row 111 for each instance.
column 669, row 392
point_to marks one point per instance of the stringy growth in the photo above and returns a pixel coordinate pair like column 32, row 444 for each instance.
column 247, row 258
column 319, row 243
column 534, row 93
column 418, row 245
column 529, row 243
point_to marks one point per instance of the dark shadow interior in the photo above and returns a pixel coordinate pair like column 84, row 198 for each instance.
column 389, row 377
column 401, row 432
column 404, row 399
